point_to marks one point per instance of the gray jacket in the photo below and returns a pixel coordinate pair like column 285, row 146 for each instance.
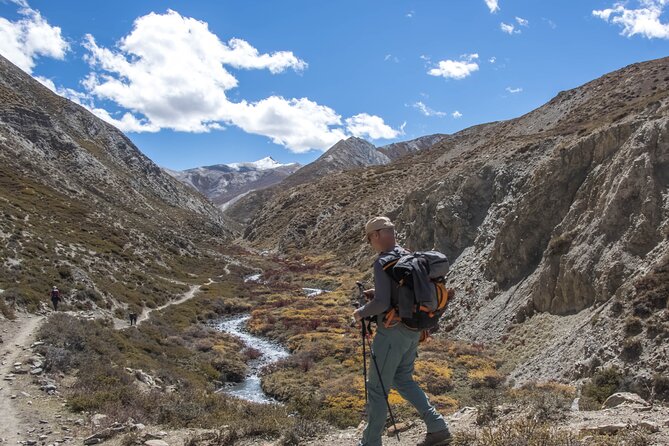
column 385, row 290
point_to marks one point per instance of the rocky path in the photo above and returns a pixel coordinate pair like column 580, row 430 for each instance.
column 120, row 324
column 17, row 336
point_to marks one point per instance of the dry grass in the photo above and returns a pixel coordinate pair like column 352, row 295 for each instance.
column 529, row 432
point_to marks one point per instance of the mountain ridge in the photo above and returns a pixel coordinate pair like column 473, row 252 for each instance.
column 91, row 209
column 223, row 184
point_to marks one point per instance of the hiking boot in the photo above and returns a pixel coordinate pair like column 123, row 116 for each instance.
column 440, row 438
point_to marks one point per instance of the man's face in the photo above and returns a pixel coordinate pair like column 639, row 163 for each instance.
column 382, row 239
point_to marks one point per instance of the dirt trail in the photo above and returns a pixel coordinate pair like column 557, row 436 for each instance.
column 146, row 313
column 17, row 336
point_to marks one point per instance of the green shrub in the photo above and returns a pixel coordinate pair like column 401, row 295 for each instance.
column 661, row 387
column 6, row 310
column 603, row 384
column 631, row 350
column 633, row 326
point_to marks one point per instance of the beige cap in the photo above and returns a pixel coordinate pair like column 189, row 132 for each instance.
column 376, row 223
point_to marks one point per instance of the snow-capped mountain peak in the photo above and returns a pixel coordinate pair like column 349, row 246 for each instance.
column 262, row 164
column 224, row 183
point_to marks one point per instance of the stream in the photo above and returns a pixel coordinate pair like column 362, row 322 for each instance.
column 249, row 389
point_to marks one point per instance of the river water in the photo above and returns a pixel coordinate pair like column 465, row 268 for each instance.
column 249, row 389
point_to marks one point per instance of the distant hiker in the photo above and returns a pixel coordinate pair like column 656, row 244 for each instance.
column 133, row 318
column 395, row 347
column 55, row 297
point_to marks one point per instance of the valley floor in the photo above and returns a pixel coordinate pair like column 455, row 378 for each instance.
column 28, row 414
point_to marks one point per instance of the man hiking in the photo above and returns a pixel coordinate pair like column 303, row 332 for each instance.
column 55, row 297
column 133, row 317
column 395, row 348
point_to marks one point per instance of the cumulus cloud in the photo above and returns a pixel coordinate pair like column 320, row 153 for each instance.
column 645, row 20
column 390, row 58
column 30, row 37
column 522, row 22
column 514, row 90
column 509, row 28
column 364, row 125
column 456, row 69
column 456, row 114
column 426, row 110
column 172, row 72
column 493, row 5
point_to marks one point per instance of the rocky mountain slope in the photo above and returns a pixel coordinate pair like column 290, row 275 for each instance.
column 557, row 222
column 83, row 208
column 399, row 149
column 346, row 154
column 223, row 184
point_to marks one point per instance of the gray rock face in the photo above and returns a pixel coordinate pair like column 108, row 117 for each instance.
column 550, row 219
column 346, row 154
column 61, row 143
column 399, row 149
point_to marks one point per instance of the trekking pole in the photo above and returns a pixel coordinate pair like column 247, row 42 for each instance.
column 364, row 329
column 364, row 360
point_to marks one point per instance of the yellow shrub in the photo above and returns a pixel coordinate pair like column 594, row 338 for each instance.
column 485, row 377
column 475, row 362
column 395, row 398
column 435, row 377
column 444, row 403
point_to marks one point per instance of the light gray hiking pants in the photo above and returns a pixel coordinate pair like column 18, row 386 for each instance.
column 396, row 350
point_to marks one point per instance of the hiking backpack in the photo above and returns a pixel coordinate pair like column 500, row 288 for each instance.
column 422, row 292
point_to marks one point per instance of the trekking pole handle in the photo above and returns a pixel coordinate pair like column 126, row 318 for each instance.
column 361, row 300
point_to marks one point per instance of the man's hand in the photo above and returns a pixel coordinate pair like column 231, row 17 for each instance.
column 369, row 294
column 356, row 316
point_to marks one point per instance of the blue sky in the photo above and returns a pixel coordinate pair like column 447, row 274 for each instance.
column 302, row 74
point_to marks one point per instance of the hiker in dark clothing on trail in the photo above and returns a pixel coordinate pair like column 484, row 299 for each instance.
column 395, row 347
column 133, row 318
column 55, row 298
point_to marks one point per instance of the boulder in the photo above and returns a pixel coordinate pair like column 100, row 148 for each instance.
column 98, row 418
column 155, row 443
column 648, row 426
column 624, row 398
column 399, row 427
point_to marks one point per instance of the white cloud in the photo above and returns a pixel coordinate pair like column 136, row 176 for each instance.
column 522, row 22
column 509, row 28
column 427, row 111
column 362, row 125
column 171, row 72
column 456, row 69
column 391, row 58
column 410, row 14
column 493, row 59
column 644, row 20
column 456, row 114
column 298, row 124
column 514, row 90
column 493, row 5
column 30, row 37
